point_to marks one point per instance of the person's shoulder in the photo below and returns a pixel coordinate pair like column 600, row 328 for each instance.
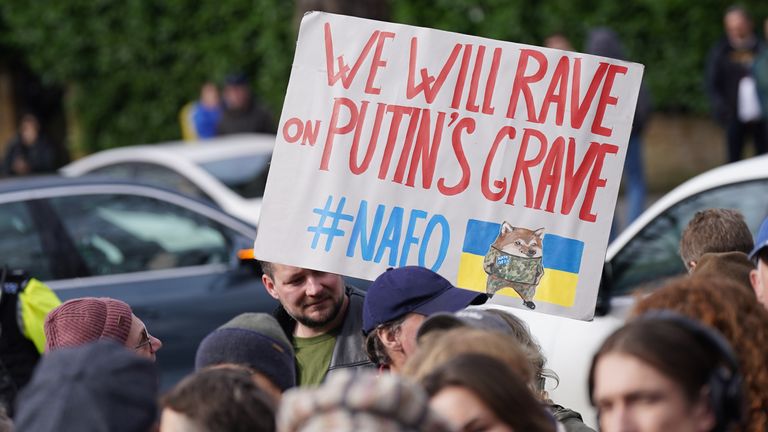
column 353, row 291
column 720, row 47
column 570, row 419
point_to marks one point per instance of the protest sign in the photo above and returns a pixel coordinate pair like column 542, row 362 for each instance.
column 494, row 164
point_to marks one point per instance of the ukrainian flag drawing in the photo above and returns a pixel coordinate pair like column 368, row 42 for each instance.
column 561, row 258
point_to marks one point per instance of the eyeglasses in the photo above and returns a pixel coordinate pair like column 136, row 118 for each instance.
column 145, row 340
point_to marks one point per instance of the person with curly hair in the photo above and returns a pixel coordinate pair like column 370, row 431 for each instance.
column 723, row 305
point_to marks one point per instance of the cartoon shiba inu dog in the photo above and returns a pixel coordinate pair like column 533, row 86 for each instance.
column 514, row 261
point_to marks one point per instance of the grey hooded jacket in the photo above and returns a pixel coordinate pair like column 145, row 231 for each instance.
column 348, row 351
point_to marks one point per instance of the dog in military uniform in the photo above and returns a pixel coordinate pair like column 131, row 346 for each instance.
column 514, row 261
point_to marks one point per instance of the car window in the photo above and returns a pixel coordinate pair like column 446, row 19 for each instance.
column 125, row 233
column 20, row 243
column 154, row 174
column 123, row 171
column 245, row 175
column 652, row 256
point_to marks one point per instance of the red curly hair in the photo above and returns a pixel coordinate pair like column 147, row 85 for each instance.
column 724, row 305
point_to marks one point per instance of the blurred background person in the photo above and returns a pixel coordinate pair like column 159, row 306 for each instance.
column 559, row 41
column 605, row 42
column 476, row 392
column 731, row 87
column 29, row 152
column 242, row 112
column 96, row 387
column 760, row 72
column 217, row 400
column 88, row 319
column 659, row 373
column 200, row 119
column 725, row 306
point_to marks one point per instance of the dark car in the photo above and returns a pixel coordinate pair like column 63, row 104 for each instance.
column 174, row 259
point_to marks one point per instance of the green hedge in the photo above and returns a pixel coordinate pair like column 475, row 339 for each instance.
column 132, row 64
column 671, row 37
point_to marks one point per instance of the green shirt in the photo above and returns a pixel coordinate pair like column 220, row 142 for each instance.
column 313, row 355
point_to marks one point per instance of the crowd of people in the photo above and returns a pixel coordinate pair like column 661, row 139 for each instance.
column 230, row 110
column 415, row 353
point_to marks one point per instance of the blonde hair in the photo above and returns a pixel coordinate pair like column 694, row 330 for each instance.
column 438, row 347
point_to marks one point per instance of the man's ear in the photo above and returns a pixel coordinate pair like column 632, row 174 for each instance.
column 691, row 266
column 389, row 339
column 269, row 285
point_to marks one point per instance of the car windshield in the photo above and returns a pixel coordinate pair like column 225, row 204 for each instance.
column 245, row 175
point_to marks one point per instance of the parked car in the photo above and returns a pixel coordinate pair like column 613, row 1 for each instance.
column 230, row 171
column 639, row 260
column 173, row 258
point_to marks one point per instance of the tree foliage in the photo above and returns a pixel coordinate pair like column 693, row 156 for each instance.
column 670, row 37
column 133, row 64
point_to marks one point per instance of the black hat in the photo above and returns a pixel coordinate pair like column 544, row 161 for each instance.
column 98, row 387
column 255, row 340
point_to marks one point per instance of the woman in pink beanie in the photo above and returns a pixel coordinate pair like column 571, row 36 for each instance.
column 79, row 321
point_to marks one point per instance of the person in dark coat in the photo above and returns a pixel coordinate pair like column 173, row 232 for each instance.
column 28, row 152
column 731, row 86
column 242, row 112
column 605, row 42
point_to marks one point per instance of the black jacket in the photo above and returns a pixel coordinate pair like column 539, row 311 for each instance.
column 40, row 156
column 726, row 66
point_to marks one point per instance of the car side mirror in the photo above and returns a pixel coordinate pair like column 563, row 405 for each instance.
column 245, row 254
column 247, row 259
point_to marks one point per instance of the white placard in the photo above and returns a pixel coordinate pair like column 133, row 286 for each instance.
column 495, row 164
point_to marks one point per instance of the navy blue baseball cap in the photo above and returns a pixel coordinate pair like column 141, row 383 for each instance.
column 761, row 241
column 400, row 291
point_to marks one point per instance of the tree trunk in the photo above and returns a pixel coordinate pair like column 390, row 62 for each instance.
column 7, row 109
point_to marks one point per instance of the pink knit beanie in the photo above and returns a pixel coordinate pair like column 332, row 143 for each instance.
column 79, row 321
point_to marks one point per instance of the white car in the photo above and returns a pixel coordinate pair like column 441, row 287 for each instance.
column 641, row 258
column 230, row 171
